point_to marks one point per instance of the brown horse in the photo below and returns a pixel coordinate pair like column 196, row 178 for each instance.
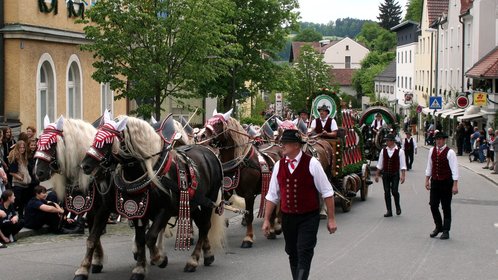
column 247, row 170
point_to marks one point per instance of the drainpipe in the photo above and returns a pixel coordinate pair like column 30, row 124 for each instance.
column 432, row 58
column 437, row 61
column 2, row 61
column 462, row 21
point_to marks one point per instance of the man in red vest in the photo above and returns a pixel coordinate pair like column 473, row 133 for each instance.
column 409, row 145
column 392, row 165
column 325, row 126
column 441, row 179
column 296, row 183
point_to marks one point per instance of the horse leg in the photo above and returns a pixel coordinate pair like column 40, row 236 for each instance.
column 153, row 236
column 249, row 216
column 93, row 245
column 138, row 272
column 200, row 221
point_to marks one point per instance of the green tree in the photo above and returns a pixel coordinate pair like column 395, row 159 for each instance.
column 371, row 66
column 389, row 14
column 151, row 50
column 308, row 35
column 308, row 75
column 414, row 10
column 376, row 38
column 259, row 41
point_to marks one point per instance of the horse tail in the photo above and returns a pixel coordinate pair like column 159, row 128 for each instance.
column 217, row 234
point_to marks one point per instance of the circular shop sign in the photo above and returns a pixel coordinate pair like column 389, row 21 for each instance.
column 321, row 100
column 462, row 102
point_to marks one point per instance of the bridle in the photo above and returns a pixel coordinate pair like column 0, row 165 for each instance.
column 45, row 150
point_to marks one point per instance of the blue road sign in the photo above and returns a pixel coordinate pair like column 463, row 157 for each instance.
column 435, row 102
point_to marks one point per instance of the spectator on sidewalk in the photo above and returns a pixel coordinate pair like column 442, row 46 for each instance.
column 490, row 154
column 460, row 136
column 18, row 169
column 7, row 145
column 495, row 147
column 10, row 225
column 31, row 132
column 40, row 212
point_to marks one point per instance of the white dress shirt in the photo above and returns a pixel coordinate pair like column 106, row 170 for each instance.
column 414, row 143
column 452, row 160
column 322, row 184
column 380, row 124
column 333, row 124
column 390, row 152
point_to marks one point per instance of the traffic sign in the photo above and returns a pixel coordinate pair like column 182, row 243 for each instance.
column 462, row 102
column 480, row 98
column 435, row 102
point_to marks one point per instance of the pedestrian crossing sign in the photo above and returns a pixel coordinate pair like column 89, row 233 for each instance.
column 435, row 102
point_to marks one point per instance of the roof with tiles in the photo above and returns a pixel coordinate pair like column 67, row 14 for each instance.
column 342, row 77
column 487, row 67
column 389, row 74
column 465, row 6
column 296, row 49
column 436, row 8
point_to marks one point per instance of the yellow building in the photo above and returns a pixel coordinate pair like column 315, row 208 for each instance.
column 44, row 71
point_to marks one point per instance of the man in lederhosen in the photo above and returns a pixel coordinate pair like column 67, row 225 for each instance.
column 378, row 123
column 296, row 183
column 392, row 165
column 409, row 145
column 325, row 126
column 441, row 179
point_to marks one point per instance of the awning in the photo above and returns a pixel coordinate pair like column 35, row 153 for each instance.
column 440, row 112
column 427, row 111
column 453, row 116
column 471, row 116
column 452, row 112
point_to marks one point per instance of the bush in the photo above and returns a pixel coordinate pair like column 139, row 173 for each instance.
column 256, row 120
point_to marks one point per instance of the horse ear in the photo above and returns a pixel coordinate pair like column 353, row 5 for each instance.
column 215, row 112
column 120, row 126
column 59, row 124
column 279, row 122
column 153, row 120
column 107, row 116
column 46, row 121
column 227, row 115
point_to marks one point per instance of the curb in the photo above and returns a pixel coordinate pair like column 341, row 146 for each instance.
column 26, row 232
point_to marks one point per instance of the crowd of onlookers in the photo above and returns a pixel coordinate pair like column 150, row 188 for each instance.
column 479, row 144
column 24, row 203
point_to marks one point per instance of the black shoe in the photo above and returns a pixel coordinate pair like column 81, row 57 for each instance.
column 445, row 235
column 435, row 232
column 398, row 211
column 388, row 214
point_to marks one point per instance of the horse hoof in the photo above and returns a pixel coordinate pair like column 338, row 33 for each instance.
column 135, row 256
column 189, row 268
column 278, row 231
column 243, row 223
column 80, row 277
column 208, row 261
column 272, row 235
column 246, row 244
column 164, row 263
column 137, row 276
column 97, row 268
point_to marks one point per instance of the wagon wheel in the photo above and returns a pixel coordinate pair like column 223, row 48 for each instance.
column 365, row 171
column 347, row 185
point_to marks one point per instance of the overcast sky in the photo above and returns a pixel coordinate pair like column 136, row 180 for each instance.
column 323, row 11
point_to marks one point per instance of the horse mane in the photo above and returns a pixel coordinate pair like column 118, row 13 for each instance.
column 239, row 136
column 143, row 143
column 185, row 139
column 78, row 137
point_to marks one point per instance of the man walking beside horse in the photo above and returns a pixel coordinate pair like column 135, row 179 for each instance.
column 296, row 182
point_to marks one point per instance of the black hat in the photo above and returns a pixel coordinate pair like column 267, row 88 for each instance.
column 291, row 136
column 303, row 111
column 408, row 132
column 390, row 137
column 325, row 108
column 440, row 134
column 378, row 115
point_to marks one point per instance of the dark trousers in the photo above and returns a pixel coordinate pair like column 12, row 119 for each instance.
column 23, row 195
column 441, row 193
column 409, row 159
column 391, row 183
column 300, row 232
column 460, row 146
column 9, row 228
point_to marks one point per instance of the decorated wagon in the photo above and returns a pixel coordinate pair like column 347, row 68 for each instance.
column 375, row 122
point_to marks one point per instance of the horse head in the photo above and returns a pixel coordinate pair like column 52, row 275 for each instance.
column 46, row 153
column 100, row 153
column 216, row 128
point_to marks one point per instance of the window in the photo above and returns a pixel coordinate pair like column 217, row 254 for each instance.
column 46, row 95
column 398, row 80
column 410, row 56
column 406, row 82
column 73, row 90
column 348, row 62
column 347, row 47
column 401, row 82
column 107, row 98
column 406, row 59
column 398, row 57
column 392, row 89
column 410, row 84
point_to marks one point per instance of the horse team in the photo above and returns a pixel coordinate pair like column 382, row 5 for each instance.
column 151, row 173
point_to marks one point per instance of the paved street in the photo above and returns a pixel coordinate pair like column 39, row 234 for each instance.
column 366, row 245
